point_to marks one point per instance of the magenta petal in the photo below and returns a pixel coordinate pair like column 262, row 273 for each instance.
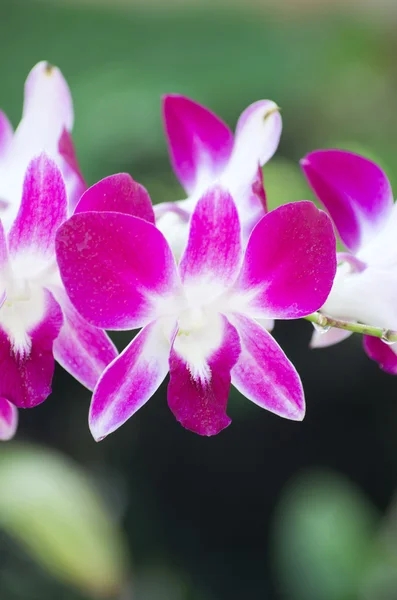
column 8, row 420
column 80, row 348
column 290, row 262
column 354, row 190
column 213, row 253
column 118, row 193
column 264, row 374
column 199, row 143
column 25, row 380
column 382, row 353
column 6, row 134
column 117, row 269
column 129, row 381
column 43, row 209
column 200, row 405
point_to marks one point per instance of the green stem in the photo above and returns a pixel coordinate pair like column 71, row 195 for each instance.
column 387, row 335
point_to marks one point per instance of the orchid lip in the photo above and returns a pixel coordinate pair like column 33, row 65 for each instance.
column 22, row 309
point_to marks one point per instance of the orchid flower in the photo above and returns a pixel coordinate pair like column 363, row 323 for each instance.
column 198, row 318
column 203, row 151
column 359, row 199
column 47, row 121
column 37, row 321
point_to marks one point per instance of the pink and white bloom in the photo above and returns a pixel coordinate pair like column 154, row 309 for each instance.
column 359, row 199
column 46, row 126
column 198, row 318
column 37, row 321
column 204, row 151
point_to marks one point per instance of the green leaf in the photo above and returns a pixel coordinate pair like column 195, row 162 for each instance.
column 50, row 506
column 324, row 534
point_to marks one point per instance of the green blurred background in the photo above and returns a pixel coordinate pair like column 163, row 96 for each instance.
column 267, row 510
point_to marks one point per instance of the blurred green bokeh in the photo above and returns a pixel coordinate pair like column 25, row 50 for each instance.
column 49, row 505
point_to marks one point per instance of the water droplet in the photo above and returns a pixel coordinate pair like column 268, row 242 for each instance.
column 386, row 340
column 321, row 328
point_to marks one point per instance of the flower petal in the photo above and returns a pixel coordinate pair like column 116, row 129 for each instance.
column 198, row 400
column 48, row 107
column 118, row 270
column 25, row 379
column 257, row 137
column 130, row 380
column 8, row 420
column 6, row 134
column 173, row 222
column 199, row 143
column 264, row 374
column 43, row 209
column 289, row 264
column 354, row 190
column 71, row 172
column 369, row 296
column 80, row 348
column 323, row 339
column 254, row 206
column 382, row 353
column 212, row 257
column 119, row 193
column 47, row 114
column 381, row 251
column 3, row 250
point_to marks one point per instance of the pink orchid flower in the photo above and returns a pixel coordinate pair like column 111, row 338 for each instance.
column 46, row 123
column 204, row 151
column 359, row 199
column 198, row 318
column 37, row 321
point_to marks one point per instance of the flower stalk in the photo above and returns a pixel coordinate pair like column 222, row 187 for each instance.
column 389, row 336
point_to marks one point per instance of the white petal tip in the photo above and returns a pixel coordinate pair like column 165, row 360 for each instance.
column 299, row 416
column 97, row 434
column 271, row 110
column 97, row 431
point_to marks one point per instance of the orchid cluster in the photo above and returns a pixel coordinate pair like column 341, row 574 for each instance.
column 202, row 278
